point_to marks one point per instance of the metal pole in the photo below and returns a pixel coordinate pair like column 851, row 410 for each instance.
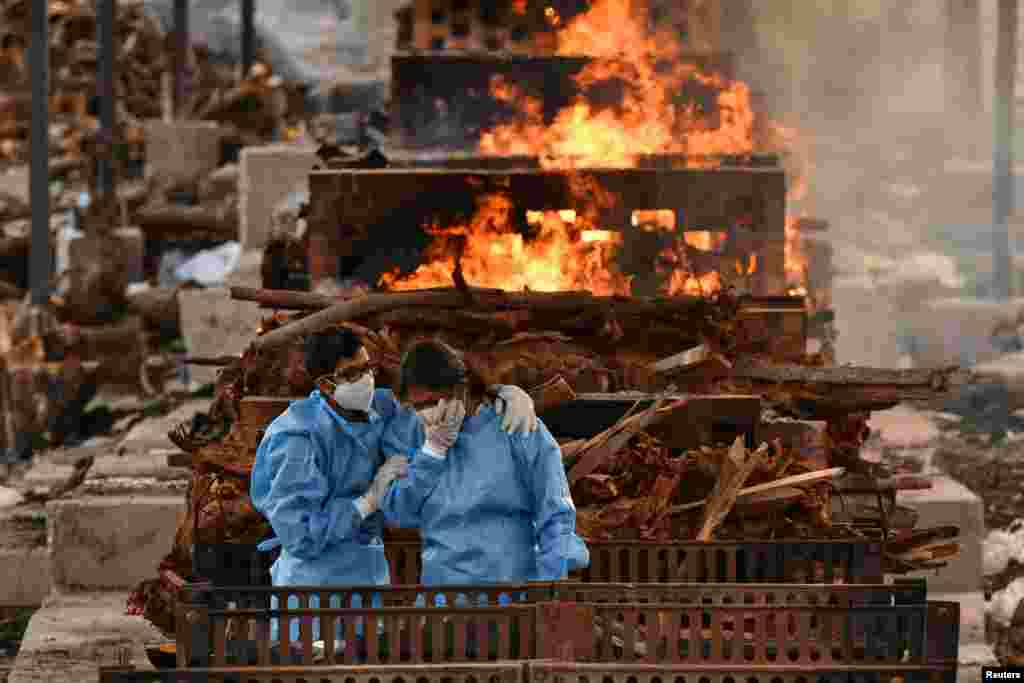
column 1002, row 199
column 40, row 264
column 248, row 36
column 105, row 91
column 180, row 54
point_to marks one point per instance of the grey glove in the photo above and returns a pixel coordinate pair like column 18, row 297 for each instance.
column 442, row 424
column 394, row 468
column 516, row 409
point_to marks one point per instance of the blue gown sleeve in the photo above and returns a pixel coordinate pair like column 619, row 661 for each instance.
column 403, row 503
column 560, row 550
column 289, row 488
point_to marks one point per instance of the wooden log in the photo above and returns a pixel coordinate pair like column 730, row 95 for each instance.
column 64, row 165
column 605, row 445
column 936, row 380
column 552, row 394
column 126, row 338
column 784, row 483
column 159, row 307
column 477, row 300
column 159, row 220
column 9, row 291
column 738, row 466
column 282, row 298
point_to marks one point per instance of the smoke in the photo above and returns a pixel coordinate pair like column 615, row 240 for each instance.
column 884, row 95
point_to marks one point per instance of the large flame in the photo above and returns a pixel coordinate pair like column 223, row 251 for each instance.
column 566, row 253
column 645, row 70
column 648, row 69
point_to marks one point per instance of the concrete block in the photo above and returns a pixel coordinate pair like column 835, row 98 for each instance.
column 864, row 323
column 267, row 174
column 27, row 575
column 949, row 502
column 73, row 634
column 109, row 543
column 214, row 324
column 182, row 149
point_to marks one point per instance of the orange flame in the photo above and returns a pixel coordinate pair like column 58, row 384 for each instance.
column 645, row 71
column 566, row 254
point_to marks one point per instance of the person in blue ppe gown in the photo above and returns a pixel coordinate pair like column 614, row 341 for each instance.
column 320, row 474
column 491, row 507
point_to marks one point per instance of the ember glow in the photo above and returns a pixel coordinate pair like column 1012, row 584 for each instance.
column 646, row 70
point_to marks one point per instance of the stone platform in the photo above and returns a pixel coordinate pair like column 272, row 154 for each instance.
column 72, row 635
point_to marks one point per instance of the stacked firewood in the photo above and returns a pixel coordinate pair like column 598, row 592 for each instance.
column 211, row 212
column 144, row 59
column 632, row 480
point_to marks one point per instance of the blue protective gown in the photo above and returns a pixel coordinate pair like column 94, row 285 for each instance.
column 497, row 509
column 310, row 467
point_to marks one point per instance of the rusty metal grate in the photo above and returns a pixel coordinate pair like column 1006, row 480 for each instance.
column 723, row 562
column 563, row 672
column 603, row 642
column 906, row 592
column 833, row 624
column 656, row 562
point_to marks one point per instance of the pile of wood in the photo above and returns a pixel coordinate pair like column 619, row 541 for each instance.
column 211, row 213
column 634, row 480
column 144, row 60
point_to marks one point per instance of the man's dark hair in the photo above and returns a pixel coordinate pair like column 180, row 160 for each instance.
column 433, row 365
column 324, row 349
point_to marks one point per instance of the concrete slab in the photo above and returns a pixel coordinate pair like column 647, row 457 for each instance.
column 151, row 433
column 214, row 324
column 267, row 174
column 111, row 542
column 150, row 465
column 865, row 328
column 26, row 575
column 949, row 502
column 971, row 659
column 71, row 636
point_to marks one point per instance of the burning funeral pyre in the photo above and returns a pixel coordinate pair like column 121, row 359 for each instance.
column 673, row 373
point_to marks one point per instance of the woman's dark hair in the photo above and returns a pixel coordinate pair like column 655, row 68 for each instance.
column 323, row 350
column 437, row 366
column 432, row 364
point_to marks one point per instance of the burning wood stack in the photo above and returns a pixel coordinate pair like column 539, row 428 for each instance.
column 621, row 254
column 720, row 442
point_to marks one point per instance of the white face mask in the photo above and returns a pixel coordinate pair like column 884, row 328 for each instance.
column 356, row 396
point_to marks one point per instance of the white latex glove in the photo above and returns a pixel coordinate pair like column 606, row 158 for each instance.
column 393, row 468
column 516, row 409
column 442, row 424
